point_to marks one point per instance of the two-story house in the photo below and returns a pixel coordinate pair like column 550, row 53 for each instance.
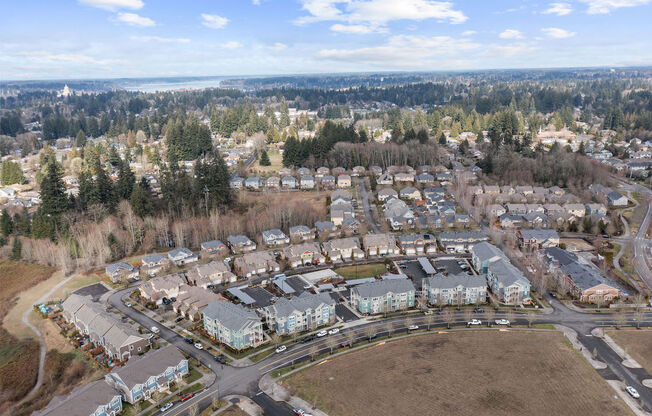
column 233, row 325
column 300, row 313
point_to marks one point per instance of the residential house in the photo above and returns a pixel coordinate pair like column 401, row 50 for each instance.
column 456, row 289
column 460, row 241
column 253, row 183
column 301, row 313
column 233, row 325
column 484, row 253
column 328, row 182
column 303, row 254
column 285, row 172
column 182, row 256
column 273, row 182
column 385, row 179
column 386, row 193
column 275, row 237
column 343, row 249
column 236, row 182
column 596, row 209
column 584, row 280
column 383, row 296
column 214, row 247
column 255, row 263
column 495, row 210
column 289, row 182
column 507, row 282
column 510, row 220
column 152, row 373
column 211, row 274
column 615, row 199
column 92, row 399
column 121, row 271
column 398, row 214
column 344, row 181
column 537, row 220
column 350, row 226
column 153, row 263
column 191, row 303
column 337, row 171
column 404, row 177
column 410, row 192
column 376, row 170
column 321, row 172
column 326, row 229
column 301, row 233
column 303, row 171
column 358, row 171
column 240, row 244
column 525, row 190
column 537, row 238
column 417, row 244
column 157, row 288
column 307, row 182
column 576, row 210
column 380, row 245
column 516, row 209
column 491, row 189
column 425, row 178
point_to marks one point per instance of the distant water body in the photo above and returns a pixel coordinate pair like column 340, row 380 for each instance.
column 171, row 84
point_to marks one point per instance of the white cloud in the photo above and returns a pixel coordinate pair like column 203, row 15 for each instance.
column 405, row 51
column 160, row 39
column 278, row 46
column 560, row 9
column 232, row 45
column 607, row 6
column 256, row 2
column 371, row 16
column 557, row 33
column 213, row 21
column 114, row 5
column 132, row 19
column 60, row 57
column 469, row 33
column 357, row 29
column 511, row 34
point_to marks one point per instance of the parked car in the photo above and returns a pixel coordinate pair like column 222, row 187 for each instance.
column 220, row 359
column 128, row 304
column 478, row 310
column 155, row 329
column 428, row 312
column 186, row 396
column 281, row 349
column 179, row 319
column 333, row 331
column 189, row 340
column 308, row 339
column 199, row 346
column 553, row 294
column 474, row 322
column 413, row 327
column 632, row 392
column 322, row 333
column 502, row 322
column 166, row 406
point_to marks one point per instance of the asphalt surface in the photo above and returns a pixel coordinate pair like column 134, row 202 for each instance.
column 244, row 380
column 366, row 206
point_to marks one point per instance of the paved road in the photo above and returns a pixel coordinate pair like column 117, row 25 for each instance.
column 244, row 380
column 367, row 206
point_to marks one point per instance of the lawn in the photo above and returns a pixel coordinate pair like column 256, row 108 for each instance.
column 361, row 271
column 637, row 343
column 463, row 373
column 275, row 159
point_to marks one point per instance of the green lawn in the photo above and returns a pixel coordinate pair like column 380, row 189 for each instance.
column 361, row 271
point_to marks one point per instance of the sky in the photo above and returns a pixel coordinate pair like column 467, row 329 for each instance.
column 72, row 39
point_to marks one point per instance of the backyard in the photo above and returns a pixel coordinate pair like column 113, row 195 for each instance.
column 463, row 373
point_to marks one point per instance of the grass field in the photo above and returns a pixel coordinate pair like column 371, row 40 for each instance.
column 636, row 343
column 465, row 373
column 275, row 159
column 361, row 271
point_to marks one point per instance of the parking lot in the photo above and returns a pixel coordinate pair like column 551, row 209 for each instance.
column 262, row 297
column 95, row 291
column 344, row 313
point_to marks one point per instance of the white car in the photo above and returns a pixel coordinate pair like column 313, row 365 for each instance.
column 413, row 327
column 281, row 349
column 474, row 322
column 166, row 406
column 199, row 346
column 502, row 322
column 322, row 333
column 333, row 331
column 128, row 305
column 632, row 392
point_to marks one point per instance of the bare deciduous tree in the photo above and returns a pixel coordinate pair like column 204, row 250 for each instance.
column 448, row 316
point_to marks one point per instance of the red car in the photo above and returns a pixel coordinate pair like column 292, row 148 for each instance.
column 187, row 396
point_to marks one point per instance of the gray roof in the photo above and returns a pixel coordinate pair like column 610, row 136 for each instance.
column 182, row 250
column 613, row 196
column 299, row 228
column 284, row 287
column 139, row 369
column 233, row 317
column 382, row 287
column 213, row 244
column 507, row 274
column 583, row 275
column 74, row 302
column 83, row 400
column 485, row 251
column 455, row 280
column 462, row 235
column 153, row 258
column 322, row 225
column 426, row 265
column 115, row 267
column 301, row 303
column 539, row 234
column 244, row 298
column 238, row 239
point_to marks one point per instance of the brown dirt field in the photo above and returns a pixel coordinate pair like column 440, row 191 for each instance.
column 50, row 332
column 234, row 411
column 15, row 277
column 637, row 343
column 464, row 373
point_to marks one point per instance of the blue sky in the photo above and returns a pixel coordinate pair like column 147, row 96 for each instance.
column 58, row 39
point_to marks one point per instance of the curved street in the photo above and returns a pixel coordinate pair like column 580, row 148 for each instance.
column 244, row 380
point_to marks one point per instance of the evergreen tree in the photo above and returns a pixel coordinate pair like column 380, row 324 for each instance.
column 53, row 192
column 6, row 223
column 140, row 200
column 264, row 159
column 104, row 192
column 80, row 140
column 442, row 139
column 11, row 173
column 580, row 149
column 126, row 181
column 422, row 136
column 114, row 157
column 16, row 249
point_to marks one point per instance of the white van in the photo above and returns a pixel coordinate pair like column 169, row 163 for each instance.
column 155, row 330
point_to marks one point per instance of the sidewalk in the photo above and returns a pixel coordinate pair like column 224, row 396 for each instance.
column 628, row 361
column 572, row 337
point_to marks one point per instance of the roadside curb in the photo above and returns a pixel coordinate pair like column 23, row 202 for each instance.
column 572, row 337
